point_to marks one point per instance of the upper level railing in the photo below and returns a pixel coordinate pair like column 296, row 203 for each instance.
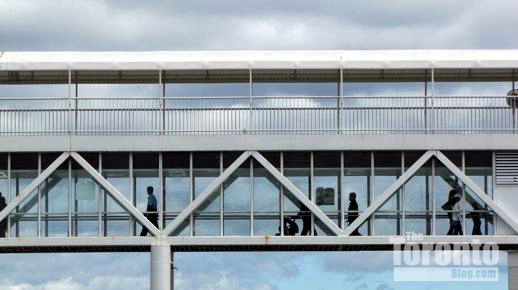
column 258, row 115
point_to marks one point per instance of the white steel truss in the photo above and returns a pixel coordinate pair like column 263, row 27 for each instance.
column 211, row 189
column 34, row 184
column 117, row 195
column 391, row 190
column 112, row 191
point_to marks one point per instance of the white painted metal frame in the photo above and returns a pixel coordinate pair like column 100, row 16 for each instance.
column 391, row 190
column 297, row 193
column 477, row 190
column 215, row 184
column 34, row 185
column 205, row 194
column 117, row 195
column 377, row 203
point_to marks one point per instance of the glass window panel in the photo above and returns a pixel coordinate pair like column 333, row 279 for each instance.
column 237, row 191
column 116, row 171
column 85, row 191
column 297, row 170
column 177, row 181
column 56, row 226
column 206, row 167
column 24, row 227
column 54, row 193
column 207, row 224
column 86, row 226
column 266, row 197
column 387, row 168
column 326, row 180
column 236, row 202
column 387, row 224
column 237, row 225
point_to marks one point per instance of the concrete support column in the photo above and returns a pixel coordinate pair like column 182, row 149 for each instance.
column 160, row 267
column 512, row 266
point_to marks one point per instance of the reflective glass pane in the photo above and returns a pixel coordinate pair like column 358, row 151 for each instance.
column 236, row 201
column 266, row 198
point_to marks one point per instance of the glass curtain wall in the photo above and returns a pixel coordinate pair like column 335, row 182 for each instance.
column 55, row 198
column 479, row 217
column 207, row 218
column 356, row 179
column 297, row 168
column 24, row 218
column 237, row 197
column 446, row 186
column 146, row 175
column 326, row 186
column 267, row 195
column 116, row 169
column 417, row 197
column 4, row 190
column 177, row 185
column 87, row 203
column 387, row 168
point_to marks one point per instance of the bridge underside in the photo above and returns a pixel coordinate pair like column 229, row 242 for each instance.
column 240, row 244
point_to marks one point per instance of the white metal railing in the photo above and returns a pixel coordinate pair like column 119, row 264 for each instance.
column 259, row 115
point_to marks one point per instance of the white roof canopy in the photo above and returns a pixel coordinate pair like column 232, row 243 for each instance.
column 218, row 60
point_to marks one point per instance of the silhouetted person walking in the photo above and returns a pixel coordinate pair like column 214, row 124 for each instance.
column 448, row 206
column 305, row 215
column 456, row 216
column 151, row 210
column 352, row 212
column 3, row 223
column 475, row 216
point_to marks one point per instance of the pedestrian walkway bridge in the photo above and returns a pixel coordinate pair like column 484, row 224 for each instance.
column 257, row 151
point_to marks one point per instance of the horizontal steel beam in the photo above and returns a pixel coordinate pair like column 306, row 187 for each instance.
column 256, row 243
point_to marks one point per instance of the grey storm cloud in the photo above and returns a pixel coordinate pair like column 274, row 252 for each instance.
column 267, row 24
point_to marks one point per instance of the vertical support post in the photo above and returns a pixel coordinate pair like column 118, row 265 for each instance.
column 251, row 191
column 464, row 194
column 371, row 195
column 132, row 224
column 161, row 191
column 162, row 102
column 251, row 93
column 402, row 201
column 312, row 189
column 76, row 100
column 342, row 193
column 281, row 192
column 340, row 102
column 191, row 193
column 160, row 267
column 426, row 101
column 100, row 199
column 38, row 226
column 69, row 121
column 433, row 198
column 433, row 99
column 8, row 193
column 70, row 197
column 221, row 198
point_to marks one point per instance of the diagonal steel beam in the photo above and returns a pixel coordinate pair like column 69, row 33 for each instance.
column 477, row 190
column 389, row 192
column 115, row 194
column 34, row 184
column 297, row 193
column 205, row 194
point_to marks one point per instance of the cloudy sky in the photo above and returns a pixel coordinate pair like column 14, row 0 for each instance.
column 235, row 25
